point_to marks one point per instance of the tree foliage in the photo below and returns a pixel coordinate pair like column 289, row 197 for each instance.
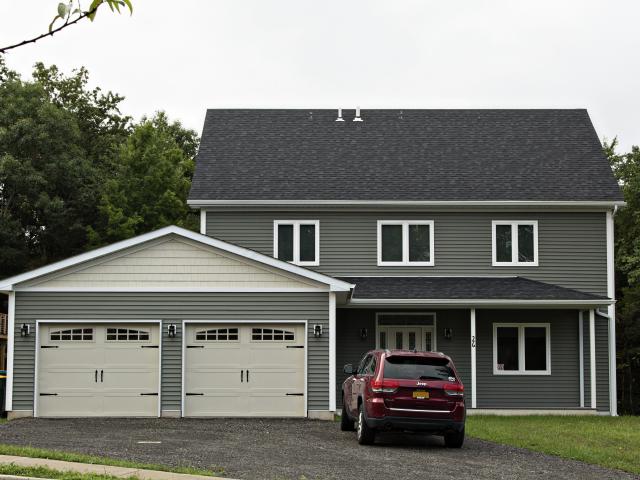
column 627, row 251
column 151, row 184
column 75, row 172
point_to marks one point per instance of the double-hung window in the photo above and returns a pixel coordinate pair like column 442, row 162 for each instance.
column 297, row 241
column 521, row 349
column 405, row 242
column 515, row 243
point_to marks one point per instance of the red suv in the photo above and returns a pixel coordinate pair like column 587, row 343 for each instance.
column 404, row 390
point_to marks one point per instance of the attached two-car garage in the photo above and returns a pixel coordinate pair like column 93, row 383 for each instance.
column 172, row 323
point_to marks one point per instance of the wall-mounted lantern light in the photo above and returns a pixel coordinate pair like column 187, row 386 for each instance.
column 171, row 331
column 448, row 333
column 364, row 333
column 25, row 330
column 317, row 331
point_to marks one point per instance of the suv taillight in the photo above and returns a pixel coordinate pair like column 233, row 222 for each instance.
column 454, row 389
column 384, row 386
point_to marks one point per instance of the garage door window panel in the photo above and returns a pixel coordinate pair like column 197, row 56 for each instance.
column 218, row 335
column 272, row 335
column 127, row 335
column 71, row 335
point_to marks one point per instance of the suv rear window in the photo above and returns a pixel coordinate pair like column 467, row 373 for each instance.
column 417, row 368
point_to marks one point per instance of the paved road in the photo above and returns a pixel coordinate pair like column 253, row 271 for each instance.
column 291, row 449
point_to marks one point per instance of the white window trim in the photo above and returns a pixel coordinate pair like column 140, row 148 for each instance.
column 514, row 243
column 521, row 370
column 296, row 240
column 405, row 243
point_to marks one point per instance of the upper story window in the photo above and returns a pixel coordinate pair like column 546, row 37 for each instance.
column 297, row 241
column 515, row 243
column 405, row 242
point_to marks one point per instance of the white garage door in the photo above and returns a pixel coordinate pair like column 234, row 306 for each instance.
column 245, row 370
column 92, row 370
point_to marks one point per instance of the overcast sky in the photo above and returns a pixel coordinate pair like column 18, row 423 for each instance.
column 184, row 56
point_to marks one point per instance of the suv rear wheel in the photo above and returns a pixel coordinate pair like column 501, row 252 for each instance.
column 346, row 424
column 366, row 435
column 454, row 439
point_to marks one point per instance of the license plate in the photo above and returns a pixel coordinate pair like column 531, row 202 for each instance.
column 420, row 395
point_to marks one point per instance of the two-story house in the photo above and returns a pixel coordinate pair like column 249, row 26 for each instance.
column 483, row 234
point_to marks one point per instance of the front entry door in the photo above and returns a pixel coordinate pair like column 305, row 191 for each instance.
column 406, row 338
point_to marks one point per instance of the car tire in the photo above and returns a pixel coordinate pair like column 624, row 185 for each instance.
column 365, row 434
column 346, row 424
column 454, row 439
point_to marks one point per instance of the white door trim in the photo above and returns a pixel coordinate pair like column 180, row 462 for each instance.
column 37, row 346
column 246, row 322
column 433, row 327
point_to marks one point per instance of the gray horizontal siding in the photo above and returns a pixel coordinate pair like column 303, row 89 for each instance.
column 173, row 308
column 572, row 245
column 350, row 347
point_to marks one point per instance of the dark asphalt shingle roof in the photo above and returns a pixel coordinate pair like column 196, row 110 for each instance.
column 419, row 155
column 462, row 288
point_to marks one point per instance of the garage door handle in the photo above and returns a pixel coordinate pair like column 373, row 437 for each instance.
column 149, row 346
column 48, row 394
column 247, row 376
column 49, row 346
column 96, row 376
column 194, row 394
column 149, row 394
column 241, row 375
column 195, row 346
column 295, row 346
column 295, row 394
column 101, row 376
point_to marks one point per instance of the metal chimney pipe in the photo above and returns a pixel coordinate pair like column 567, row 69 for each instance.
column 357, row 117
column 339, row 119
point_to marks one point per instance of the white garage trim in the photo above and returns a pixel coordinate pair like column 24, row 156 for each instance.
column 246, row 322
column 11, row 327
column 37, row 347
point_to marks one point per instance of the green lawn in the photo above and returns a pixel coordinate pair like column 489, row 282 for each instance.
column 612, row 442
column 81, row 458
column 41, row 472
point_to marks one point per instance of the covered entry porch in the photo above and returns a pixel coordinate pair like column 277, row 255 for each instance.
column 549, row 355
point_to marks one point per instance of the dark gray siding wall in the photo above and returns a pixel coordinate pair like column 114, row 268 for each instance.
column 350, row 347
column 572, row 246
column 173, row 308
column 561, row 389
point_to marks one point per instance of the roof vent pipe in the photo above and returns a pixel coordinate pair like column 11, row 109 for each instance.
column 339, row 119
column 357, row 117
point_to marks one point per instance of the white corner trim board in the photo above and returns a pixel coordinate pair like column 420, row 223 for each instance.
column 11, row 321
column 611, row 293
column 332, row 352
column 474, row 393
column 592, row 355
column 203, row 221
column 334, row 284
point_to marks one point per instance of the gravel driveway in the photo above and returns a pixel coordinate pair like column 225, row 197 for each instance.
column 291, row 449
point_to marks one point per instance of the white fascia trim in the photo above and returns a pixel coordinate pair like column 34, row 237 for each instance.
column 11, row 321
column 428, row 203
column 335, row 284
column 445, row 301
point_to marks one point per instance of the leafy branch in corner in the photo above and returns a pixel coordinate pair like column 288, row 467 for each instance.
column 70, row 14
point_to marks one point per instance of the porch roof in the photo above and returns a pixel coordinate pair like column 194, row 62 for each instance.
column 467, row 289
